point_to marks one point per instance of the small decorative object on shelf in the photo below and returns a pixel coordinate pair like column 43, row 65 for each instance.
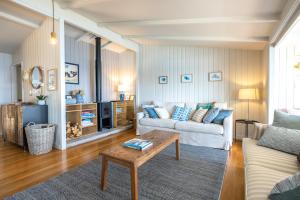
column 78, row 94
column 122, row 90
column 41, row 99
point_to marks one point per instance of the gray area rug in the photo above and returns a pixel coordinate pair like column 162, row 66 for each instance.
column 197, row 175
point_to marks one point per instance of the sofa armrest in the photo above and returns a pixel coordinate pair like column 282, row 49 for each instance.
column 139, row 116
column 228, row 131
column 259, row 130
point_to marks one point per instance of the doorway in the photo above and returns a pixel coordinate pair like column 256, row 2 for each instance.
column 16, row 83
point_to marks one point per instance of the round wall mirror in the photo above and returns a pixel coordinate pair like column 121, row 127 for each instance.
column 36, row 77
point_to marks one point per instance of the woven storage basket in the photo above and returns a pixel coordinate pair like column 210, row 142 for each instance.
column 40, row 138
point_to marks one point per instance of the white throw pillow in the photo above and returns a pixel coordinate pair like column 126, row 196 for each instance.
column 199, row 115
column 162, row 113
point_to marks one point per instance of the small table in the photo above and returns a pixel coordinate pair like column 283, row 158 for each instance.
column 133, row 159
column 246, row 122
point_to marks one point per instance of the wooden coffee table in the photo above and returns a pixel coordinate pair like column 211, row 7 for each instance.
column 133, row 159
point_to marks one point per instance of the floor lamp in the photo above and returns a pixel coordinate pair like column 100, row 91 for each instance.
column 247, row 94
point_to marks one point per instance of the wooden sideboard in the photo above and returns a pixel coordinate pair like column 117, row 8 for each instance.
column 123, row 112
column 16, row 116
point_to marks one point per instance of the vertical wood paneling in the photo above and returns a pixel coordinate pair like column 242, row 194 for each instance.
column 240, row 68
column 81, row 53
column 37, row 50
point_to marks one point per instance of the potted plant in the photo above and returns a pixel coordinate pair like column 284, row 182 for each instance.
column 41, row 99
column 78, row 94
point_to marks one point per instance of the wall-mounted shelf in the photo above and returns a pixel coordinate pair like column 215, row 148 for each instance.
column 74, row 114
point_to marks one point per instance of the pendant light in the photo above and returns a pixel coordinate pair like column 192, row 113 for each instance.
column 53, row 34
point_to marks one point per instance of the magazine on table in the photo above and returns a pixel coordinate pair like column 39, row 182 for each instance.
column 138, row 144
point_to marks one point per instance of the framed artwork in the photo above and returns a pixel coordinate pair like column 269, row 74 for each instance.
column 163, row 80
column 71, row 73
column 52, row 79
column 215, row 76
column 186, row 78
column 131, row 97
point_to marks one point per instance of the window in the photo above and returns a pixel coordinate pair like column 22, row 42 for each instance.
column 297, row 92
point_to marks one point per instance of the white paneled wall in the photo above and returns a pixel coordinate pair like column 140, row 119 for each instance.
column 110, row 75
column 240, row 68
column 127, row 71
column 5, row 81
column 37, row 50
column 81, row 53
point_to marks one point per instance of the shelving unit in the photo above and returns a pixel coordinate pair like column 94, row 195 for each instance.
column 74, row 115
column 123, row 112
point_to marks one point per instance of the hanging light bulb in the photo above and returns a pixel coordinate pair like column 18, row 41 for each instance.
column 53, row 38
column 53, row 34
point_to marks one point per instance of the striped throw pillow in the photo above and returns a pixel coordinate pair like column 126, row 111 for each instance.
column 199, row 115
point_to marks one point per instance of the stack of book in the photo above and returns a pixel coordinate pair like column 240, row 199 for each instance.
column 138, row 144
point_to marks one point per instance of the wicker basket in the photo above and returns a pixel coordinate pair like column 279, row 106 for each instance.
column 40, row 138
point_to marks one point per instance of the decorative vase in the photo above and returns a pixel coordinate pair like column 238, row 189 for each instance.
column 41, row 102
column 79, row 98
column 122, row 97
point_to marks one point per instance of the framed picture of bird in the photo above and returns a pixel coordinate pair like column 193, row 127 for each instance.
column 71, row 73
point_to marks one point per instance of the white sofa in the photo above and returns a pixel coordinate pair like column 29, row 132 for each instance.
column 193, row 133
column 264, row 167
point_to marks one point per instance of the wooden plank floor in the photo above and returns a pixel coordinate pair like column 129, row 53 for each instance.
column 20, row 170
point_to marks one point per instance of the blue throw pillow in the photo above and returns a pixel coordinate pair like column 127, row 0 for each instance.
column 152, row 113
column 211, row 115
column 185, row 114
column 221, row 116
column 177, row 112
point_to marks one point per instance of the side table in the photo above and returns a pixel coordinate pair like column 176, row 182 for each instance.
column 246, row 122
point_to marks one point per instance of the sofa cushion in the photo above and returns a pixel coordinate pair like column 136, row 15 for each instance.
column 282, row 119
column 199, row 115
column 268, row 158
column 219, row 119
column 282, row 139
column 211, row 115
column 152, row 113
column 162, row 113
column 288, row 188
column 170, row 106
column 261, row 180
column 162, row 123
column 191, row 126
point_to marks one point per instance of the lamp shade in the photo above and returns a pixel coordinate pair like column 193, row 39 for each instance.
column 121, row 88
column 248, row 94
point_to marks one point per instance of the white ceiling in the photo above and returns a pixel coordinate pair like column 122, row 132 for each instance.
column 83, row 36
column 16, row 24
column 232, row 23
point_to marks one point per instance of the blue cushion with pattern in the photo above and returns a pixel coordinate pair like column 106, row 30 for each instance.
column 185, row 114
column 221, row 116
column 152, row 113
column 177, row 112
column 211, row 115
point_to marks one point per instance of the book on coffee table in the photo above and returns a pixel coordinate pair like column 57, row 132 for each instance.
column 138, row 144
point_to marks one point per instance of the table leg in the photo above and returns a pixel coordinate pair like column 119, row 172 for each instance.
column 134, row 182
column 177, row 149
column 104, row 173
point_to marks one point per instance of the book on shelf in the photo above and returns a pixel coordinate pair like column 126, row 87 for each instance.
column 138, row 144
